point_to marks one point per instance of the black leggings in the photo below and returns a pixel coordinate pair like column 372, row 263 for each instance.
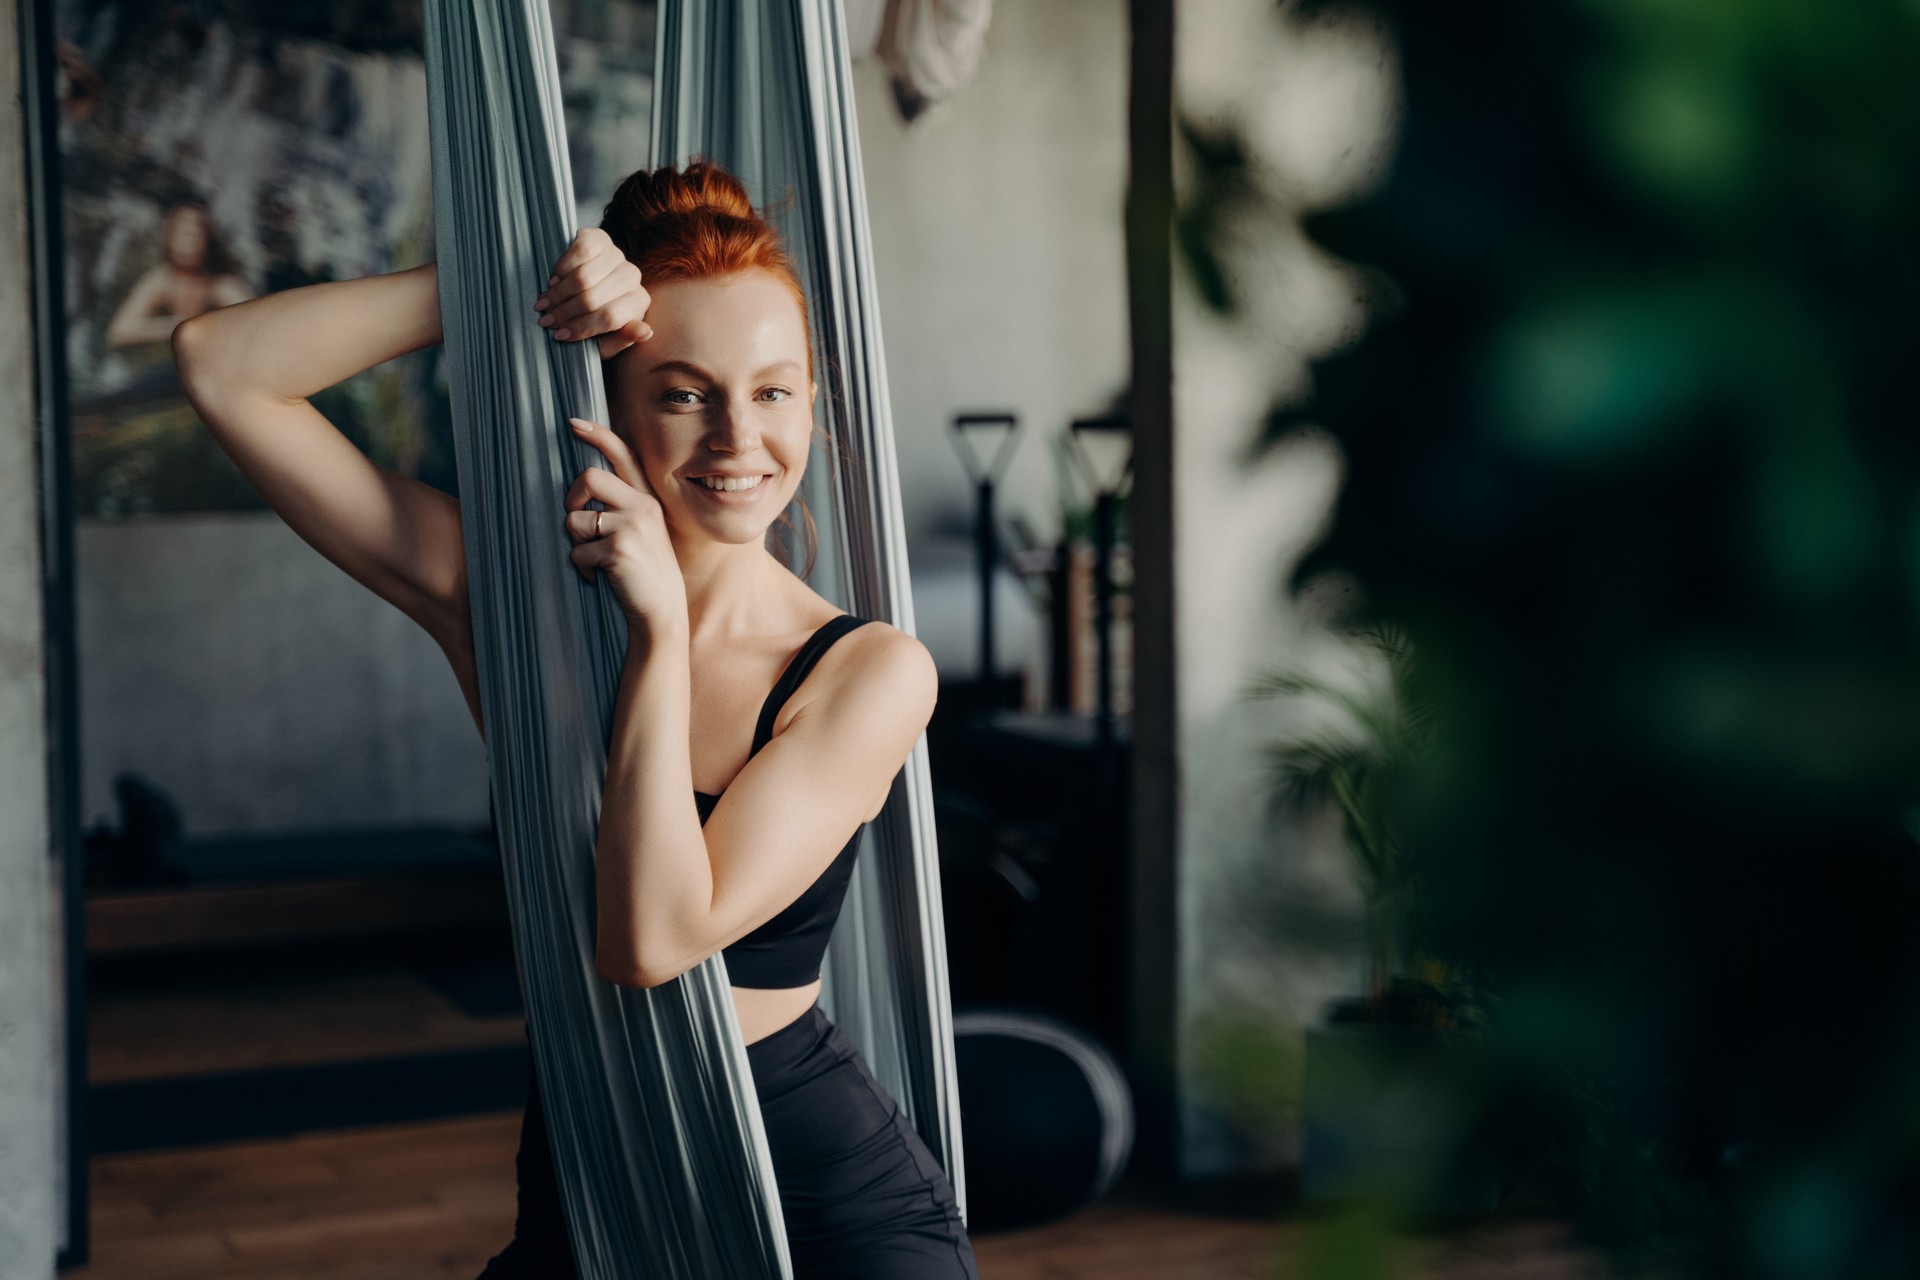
column 863, row 1197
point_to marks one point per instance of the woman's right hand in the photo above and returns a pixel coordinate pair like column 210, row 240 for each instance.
column 627, row 541
column 595, row 292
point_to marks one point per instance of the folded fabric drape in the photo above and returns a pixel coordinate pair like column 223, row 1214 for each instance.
column 763, row 87
column 663, row 1161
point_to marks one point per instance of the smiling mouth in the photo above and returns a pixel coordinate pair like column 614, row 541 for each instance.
column 730, row 484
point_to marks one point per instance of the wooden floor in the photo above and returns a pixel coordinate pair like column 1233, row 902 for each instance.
column 435, row 1199
column 237, row 1024
column 421, row 1201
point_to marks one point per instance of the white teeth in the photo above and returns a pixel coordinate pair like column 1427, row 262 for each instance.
column 728, row 484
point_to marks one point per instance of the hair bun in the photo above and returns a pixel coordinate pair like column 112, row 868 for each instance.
column 695, row 223
column 660, row 193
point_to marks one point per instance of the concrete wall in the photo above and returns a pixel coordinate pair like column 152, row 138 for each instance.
column 260, row 687
column 264, row 690
column 998, row 244
column 29, row 1165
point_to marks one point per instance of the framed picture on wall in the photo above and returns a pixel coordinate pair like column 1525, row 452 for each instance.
column 216, row 150
column 211, row 153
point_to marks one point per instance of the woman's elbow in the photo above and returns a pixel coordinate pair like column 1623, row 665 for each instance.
column 191, row 338
column 635, row 971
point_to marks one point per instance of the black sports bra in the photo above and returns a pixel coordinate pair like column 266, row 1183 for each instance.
column 787, row 950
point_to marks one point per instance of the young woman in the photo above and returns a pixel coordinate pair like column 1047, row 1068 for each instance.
column 757, row 729
column 194, row 275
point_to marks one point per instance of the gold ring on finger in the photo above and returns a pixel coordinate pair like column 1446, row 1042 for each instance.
column 596, row 522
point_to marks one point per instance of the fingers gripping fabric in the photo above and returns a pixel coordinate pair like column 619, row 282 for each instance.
column 664, row 1165
column 763, row 87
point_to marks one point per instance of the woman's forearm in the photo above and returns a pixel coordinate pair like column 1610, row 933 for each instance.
column 653, row 879
column 139, row 331
column 300, row 341
column 138, row 318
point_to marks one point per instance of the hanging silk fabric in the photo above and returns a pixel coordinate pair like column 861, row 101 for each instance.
column 663, row 1162
column 763, row 88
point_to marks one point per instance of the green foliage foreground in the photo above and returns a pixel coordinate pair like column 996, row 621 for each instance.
column 1635, row 464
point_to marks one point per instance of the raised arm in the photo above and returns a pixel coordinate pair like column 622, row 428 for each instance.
column 248, row 370
column 141, row 317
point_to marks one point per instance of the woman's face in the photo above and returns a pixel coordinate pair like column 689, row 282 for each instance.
column 717, row 405
column 185, row 237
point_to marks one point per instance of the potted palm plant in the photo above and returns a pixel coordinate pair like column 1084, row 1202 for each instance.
column 1389, row 1073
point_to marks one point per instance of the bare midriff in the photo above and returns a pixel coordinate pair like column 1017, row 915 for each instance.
column 764, row 1010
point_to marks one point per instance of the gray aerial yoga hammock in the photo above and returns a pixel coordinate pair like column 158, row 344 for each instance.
column 662, row 1159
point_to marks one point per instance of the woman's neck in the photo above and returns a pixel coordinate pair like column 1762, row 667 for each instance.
column 730, row 587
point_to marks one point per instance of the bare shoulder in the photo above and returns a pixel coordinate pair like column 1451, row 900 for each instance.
column 893, row 657
column 879, row 675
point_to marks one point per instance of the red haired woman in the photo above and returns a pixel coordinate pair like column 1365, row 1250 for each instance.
column 757, row 728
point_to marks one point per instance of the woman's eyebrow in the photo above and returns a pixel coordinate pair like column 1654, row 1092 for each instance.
column 681, row 366
column 695, row 371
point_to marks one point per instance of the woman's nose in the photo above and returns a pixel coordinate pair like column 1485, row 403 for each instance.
column 733, row 429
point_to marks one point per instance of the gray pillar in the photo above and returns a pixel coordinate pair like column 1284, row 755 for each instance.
column 29, row 1160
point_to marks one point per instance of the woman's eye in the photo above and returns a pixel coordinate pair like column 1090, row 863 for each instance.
column 680, row 395
column 776, row 394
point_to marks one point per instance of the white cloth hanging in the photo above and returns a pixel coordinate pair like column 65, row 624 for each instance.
column 930, row 47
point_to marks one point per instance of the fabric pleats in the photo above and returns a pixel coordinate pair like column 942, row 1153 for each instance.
column 657, row 1137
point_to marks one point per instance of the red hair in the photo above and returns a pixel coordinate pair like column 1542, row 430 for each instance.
column 694, row 224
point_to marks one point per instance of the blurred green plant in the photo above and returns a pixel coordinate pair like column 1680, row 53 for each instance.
column 1362, row 763
column 1632, row 460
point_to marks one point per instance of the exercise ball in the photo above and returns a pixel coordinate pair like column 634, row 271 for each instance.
column 1046, row 1117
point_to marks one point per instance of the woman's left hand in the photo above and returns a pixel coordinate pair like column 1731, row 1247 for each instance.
column 595, row 292
column 628, row 541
